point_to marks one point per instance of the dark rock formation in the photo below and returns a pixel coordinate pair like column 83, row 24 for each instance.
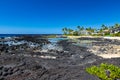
column 22, row 62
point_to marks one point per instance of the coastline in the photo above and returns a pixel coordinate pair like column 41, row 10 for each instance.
column 75, row 37
column 114, row 52
column 30, row 59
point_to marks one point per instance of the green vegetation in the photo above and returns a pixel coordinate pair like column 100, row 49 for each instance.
column 116, row 34
column 105, row 71
column 103, row 31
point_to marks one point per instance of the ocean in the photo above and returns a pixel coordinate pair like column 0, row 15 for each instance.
column 17, row 35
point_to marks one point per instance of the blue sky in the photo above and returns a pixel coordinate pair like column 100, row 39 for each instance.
column 50, row 16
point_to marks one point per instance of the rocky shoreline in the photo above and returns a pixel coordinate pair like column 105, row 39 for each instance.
column 106, row 48
column 26, row 62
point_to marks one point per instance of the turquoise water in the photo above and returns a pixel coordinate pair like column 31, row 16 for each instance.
column 53, row 45
column 82, row 43
column 55, row 40
column 77, row 42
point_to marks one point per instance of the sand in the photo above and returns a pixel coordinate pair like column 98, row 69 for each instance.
column 72, row 37
column 106, row 56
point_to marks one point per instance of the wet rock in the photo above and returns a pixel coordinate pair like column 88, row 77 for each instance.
column 1, row 67
column 1, row 78
column 4, row 74
column 10, row 72
column 5, row 69
column 70, row 63
column 0, row 73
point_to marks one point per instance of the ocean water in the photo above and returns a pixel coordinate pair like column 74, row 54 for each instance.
column 10, row 35
column 53, row 45
column 55, row 40
column 17, row 35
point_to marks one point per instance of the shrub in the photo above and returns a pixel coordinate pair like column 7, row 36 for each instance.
column 116, row 34
column 105, row 71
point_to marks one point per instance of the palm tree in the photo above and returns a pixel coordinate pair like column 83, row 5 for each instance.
column 116, row 25
column 70, row 31
column 65, row 31
column 82, row 28
column 78, row 27
column 75, row 33
column 90, row 29
column 104, row 27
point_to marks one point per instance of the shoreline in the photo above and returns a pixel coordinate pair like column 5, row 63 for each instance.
column 75, row 37
column 69, row 62
column 105, row 47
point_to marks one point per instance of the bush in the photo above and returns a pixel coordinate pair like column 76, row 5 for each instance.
column 116, row 34
column 105, row 71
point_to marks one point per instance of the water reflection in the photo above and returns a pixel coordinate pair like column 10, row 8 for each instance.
column 53, row 45
column 83, row 43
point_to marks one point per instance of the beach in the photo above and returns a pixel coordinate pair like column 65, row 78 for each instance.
column 38, row 58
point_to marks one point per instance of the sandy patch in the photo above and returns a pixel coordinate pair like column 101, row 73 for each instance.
column 109, row 55
column 48, row 57
column 74, row 37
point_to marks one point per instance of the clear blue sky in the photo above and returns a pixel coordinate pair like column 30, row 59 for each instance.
column 50, row 16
